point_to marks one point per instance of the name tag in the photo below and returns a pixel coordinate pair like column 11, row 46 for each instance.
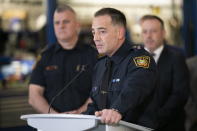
column 52, row 67
column 115, row 80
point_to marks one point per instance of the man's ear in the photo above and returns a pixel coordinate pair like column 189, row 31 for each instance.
column 78, row 27
column 121, row 33
column 164, row 33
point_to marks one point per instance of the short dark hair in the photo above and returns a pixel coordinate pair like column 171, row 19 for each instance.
column 64, row 7
column 117, row 16
column 152, row 17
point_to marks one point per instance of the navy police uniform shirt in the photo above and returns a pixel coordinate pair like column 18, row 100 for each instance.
column 131, row 88
column 57, row 67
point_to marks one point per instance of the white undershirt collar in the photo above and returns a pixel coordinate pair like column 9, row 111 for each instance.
column 157, row 52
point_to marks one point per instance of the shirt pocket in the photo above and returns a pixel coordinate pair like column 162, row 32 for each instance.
column 115, row 85
column 115, row 88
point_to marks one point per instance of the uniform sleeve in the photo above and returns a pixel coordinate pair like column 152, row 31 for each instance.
column 138, row 85
column 37, row 76
column 91, row 109
column 94, row 92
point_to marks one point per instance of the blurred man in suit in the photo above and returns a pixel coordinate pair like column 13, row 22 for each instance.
column 173, row 74
column 191, row 107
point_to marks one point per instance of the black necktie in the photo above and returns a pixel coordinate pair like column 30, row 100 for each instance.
column 105, row 84
column 152, row 54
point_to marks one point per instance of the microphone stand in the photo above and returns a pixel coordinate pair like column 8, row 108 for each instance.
column 65, row 87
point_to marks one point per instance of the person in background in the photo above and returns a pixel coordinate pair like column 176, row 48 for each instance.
column 124, row 79
column 173, row 74
column 3, row 38
column 191, row 106
column 59, row 64
column 4, row 60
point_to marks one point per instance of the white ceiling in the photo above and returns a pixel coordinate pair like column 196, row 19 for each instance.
column 131, row 2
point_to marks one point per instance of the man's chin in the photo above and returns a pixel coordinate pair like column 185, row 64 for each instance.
column 101, row 52
column 149, row 45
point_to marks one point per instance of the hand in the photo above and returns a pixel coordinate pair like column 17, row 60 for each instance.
column 52, row 111
column 77, row 111
column 109, row 116
column 81, row 109
column 72, row 112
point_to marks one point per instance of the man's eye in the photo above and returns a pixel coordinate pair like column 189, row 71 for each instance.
column 144, row 32
column 66, row 21
column 102, row 31
column 154, row 31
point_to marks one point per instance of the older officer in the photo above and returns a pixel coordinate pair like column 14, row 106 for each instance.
column 125, row 78
column 59, row 64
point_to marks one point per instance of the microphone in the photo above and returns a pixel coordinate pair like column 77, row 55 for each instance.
column 83, row 68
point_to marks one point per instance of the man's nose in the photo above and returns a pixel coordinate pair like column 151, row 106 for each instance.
column 149, row 34
column 96, row 36
column 61, row 25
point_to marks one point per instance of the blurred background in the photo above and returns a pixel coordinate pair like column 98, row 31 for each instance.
column 26, row 27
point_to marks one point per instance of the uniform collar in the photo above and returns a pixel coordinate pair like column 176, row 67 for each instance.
column 121, row 52
column 58, row 47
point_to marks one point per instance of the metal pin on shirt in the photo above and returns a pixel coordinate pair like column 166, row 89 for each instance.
column 104, row 92
column 78, row 68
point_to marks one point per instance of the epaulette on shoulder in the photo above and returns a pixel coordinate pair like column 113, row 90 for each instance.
column 46, row 48
column 137, row 46
column 43, row 51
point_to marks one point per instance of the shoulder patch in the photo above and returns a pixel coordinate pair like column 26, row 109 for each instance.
column 142, row 61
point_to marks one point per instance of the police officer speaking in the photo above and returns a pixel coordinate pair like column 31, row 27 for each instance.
column 124, row 79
